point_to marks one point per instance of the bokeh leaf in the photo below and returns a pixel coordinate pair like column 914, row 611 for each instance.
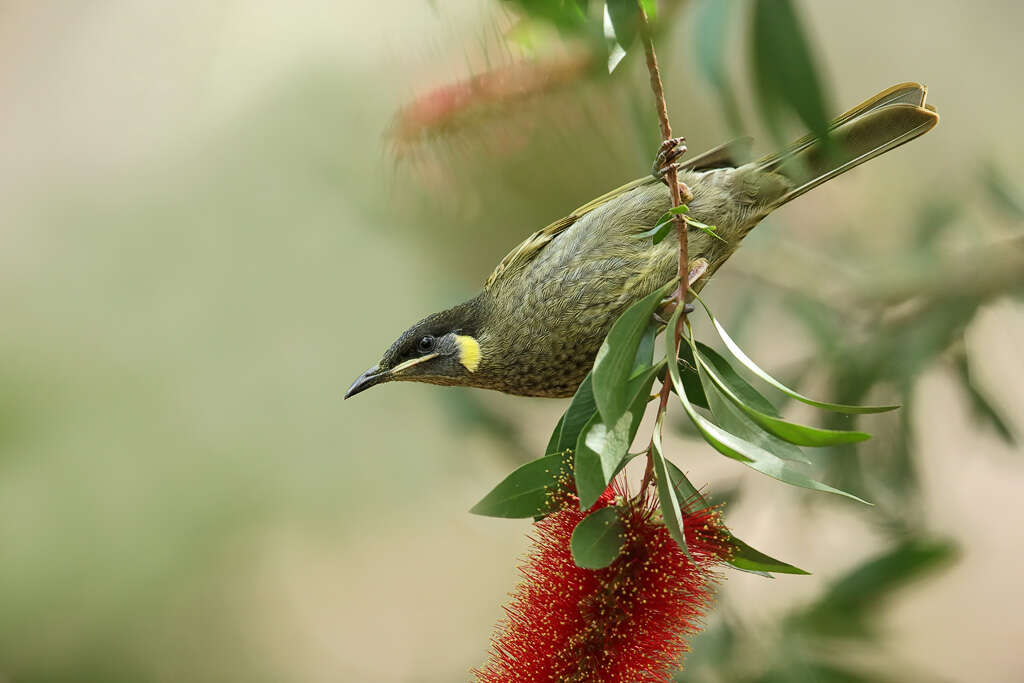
column 567, row 15
column 785, row 75
column 980, row 404
column 597, row 540
column 711, row 19
column 1002, row 194
column 625, row 20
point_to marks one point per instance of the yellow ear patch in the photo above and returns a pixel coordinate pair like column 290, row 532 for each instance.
column 469, row 351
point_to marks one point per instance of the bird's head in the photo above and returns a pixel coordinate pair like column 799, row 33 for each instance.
column 440, row 349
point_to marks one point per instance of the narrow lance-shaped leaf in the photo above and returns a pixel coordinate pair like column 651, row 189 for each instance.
column 615, row 49
column 531, row 490
column 671, row 511
column 744, row 556
column 739, row 449
column 625, row 19
column 579, row 412
column 724, row 378
column 742, row 357
column 614, row 362
column 690, row 379
column 710, row 39
column 731, row 419
column 597, row 540
column 784, row 71
column 664, row 224
column 979, row 402
column 552, row 446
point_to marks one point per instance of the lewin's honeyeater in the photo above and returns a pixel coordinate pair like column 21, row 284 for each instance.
column 536, row 326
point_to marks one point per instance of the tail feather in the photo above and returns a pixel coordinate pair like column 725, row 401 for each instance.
column 876, row 126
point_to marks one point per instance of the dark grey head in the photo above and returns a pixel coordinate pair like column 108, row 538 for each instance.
column 440, row 349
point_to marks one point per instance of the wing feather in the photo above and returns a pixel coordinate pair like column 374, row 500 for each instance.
column 718, row 157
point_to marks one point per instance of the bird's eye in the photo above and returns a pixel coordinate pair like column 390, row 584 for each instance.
column 426, row 344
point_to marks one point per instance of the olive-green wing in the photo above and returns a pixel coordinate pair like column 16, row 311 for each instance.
column 516, row 259
column 718, row 157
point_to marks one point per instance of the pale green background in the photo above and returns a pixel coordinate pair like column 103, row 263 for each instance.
column 203, row 239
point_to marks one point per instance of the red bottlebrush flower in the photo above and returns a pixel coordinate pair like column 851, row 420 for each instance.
column 626, row 623
column 452, row 106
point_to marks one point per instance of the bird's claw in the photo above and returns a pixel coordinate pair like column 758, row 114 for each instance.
column 670, row 150
column 666, row 308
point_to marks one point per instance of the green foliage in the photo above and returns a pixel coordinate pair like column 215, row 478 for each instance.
column 743, row 555
column 614, row 362
column 736, row 447
column 597, row 539
column 671, row 510
column 582, row 408
column 567, row 15
column 531, row 490
column 785, row 76
column 710, row 25
column 725, row 379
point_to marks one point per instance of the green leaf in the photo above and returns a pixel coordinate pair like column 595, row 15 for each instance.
column 615, row 51
column 664, row 225
column 740, row 449
column 597, row 540
column 690, row 378
column 784, row 72
column 980, row 404
column 738, row 353
column 645, row 351
column 529, row 491
column 579, row 412
column 1002, row 194
column 601, row 450
column 863, row 588
column 849, row 607
column 744, row 556
column 552, row 446
column 753, row 560
column 733, row 420
column 568, row 15
column 614, row 362
column 709, row 230
column 625, row 20
column 650, row 8
column 670, row 510
column 725, row 378
column 710, row 39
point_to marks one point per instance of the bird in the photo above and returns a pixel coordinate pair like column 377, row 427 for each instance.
column 537, row 325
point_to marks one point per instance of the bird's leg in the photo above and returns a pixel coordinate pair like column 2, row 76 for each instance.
column 667, row 305
column 670, row 150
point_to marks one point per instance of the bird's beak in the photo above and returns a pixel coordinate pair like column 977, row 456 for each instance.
column 366, row 380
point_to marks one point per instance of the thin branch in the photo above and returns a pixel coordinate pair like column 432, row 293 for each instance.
column 680, row 194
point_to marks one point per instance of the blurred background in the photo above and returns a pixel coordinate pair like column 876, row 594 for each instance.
column 216, row 214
